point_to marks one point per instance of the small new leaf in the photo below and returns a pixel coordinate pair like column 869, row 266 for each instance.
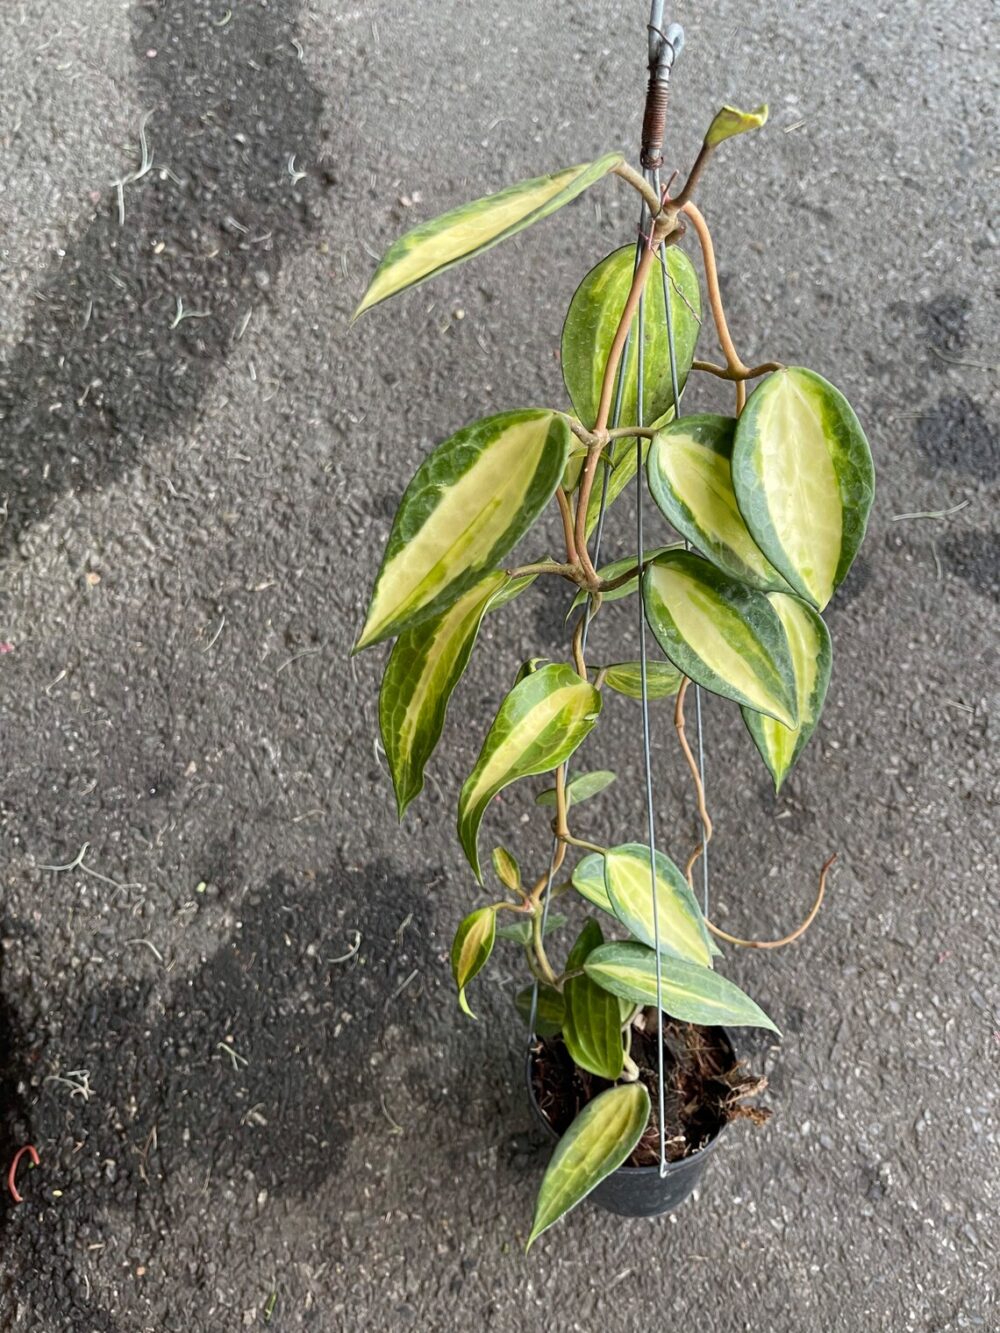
column 471, row 948
column 507, row 871
column 662, row 679
column 598, row 1141
column 731, row 121
column 580, row 788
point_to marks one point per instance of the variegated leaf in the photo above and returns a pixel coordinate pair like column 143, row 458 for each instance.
column 425, row 665
column 692, row 993
column 588, row 880
column 598, row 1141
column 804, row 479
column 540, row 723
column 721, row 633
column 683, row 933
column 809, row 642
column 468, row 504
column 592, row 1028
column 471, row 948
column 690, row 478
column 592, row 320
column 662, row 679
column 506, row 869
column 472, row 228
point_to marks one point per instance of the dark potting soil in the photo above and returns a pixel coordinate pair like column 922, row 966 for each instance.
column 706, row 1088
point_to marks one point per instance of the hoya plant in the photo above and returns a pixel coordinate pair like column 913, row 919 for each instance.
column 764, row 508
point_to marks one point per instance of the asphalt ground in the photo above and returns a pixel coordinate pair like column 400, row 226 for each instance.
column 199, row 462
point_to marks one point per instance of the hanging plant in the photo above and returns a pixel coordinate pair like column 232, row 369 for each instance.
column 630, row 1059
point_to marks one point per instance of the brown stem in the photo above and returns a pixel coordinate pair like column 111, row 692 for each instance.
column 733, row 361
column 561, row 826
column 786, row 939
column 571, row 571
column 538, row 944
column 729, row 373
column 579, row 662
column 703, row 815
column 639, row 278
column 567, row 521
column 694, row 175
column 638, row 182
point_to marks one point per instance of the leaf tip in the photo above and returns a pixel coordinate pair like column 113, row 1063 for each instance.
column 730, row 121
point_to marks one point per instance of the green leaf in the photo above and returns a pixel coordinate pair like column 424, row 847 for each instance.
column 690, row 478
column 598, row 1141
column 505, row 867
column 804, row 479
column 592, row 1027
column 592, row 320
column 590, row 938
column 588, row 880
column 425, row 665
column 691, row 993
column 471, row 947
column 730, row 121
column 721, row 633
column 809, row 642
column 539, row 725
column 472, row 228
column 468, row 504
column 520, row 931
column 662, row 680
column 615, row 570
column 551, row 1011
column 578, row 789
column 683, row 933
column 513, row 588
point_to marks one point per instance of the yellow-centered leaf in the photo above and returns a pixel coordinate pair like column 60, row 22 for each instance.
column 804, row 479
column 540, row 723
column 598, row 1141
column 472, row 228
column 466, row 507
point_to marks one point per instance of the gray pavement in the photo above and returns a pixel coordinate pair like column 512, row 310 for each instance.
column 237, row 1129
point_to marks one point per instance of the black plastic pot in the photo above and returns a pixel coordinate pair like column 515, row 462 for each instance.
column 639, row 1191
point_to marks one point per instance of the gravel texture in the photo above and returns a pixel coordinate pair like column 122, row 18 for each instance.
column 227, row 1023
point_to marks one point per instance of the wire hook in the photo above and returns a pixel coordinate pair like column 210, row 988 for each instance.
column 664, row 48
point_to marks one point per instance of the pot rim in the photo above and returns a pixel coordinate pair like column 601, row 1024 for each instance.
column 639, row 1171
